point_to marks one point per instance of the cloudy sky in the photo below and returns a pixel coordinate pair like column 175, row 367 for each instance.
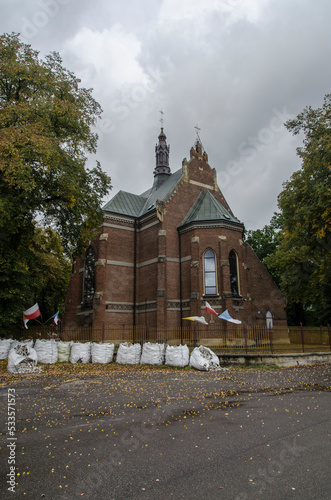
column 237, row 69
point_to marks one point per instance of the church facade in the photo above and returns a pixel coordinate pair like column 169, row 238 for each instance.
column 162, row 254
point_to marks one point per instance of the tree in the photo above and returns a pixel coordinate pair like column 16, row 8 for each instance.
column 49, row 271
column 303, row 257
column 45, row 141
column 265, row 242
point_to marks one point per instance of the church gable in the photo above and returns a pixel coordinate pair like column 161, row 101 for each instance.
column 208, row 208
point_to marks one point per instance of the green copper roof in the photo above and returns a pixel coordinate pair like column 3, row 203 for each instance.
column 134, row 205
column 126, row 204
column 208, row 208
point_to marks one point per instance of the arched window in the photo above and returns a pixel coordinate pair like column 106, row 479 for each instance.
column 89, row 275
column 209, row 271
column 269, row 320
column 234, row 282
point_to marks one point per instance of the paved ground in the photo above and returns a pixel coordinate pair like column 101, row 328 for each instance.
column 242, row 434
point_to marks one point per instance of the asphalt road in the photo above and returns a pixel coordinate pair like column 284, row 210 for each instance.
column 241, row 434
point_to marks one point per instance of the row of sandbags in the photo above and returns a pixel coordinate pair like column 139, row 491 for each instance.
column 51, row 351
column 202, row 358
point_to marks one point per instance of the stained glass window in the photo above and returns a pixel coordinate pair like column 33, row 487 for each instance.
column 89, row 275
column 234, row 273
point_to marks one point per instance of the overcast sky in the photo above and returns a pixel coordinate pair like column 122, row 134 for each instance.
column 237, row 69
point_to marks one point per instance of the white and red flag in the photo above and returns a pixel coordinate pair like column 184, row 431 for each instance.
column 31, row 313
column 210, row 310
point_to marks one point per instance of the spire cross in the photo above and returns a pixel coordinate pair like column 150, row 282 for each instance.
column 197, row 129
column 198, row 141
column 161, row 119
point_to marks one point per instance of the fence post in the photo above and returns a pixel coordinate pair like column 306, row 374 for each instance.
column 245, row 336
column 329, row 336
column 270, row 338
column 302, row 339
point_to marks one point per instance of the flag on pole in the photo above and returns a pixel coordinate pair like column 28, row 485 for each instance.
column 226, row 316
column 31, row 313
column 210, row 310
column 56, row 318
column 198, row 319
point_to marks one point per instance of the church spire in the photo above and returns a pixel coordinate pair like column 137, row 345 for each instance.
column 162, row 169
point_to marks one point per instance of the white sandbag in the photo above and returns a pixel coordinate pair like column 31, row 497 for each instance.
column 5, row 348
column 203, row 358
column 152, row 354
column 102, row 353
column 80, row 352
column 46, row 350
column 22, row 359
column 24, row 342
column 177, row 355
column 128, row 354
column 63, row 351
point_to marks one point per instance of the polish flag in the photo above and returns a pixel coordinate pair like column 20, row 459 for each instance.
column 32, row 313
column 210, row 310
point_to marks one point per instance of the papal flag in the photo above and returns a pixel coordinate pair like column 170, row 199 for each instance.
column 198, row 319
column 31, row 313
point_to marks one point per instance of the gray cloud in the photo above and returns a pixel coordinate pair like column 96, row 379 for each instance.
column 237, row 68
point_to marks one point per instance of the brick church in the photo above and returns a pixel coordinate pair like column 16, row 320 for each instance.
column 162, row 254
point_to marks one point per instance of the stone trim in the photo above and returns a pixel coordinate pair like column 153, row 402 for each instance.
column 115, row 226
column 123, row 308
column 119, row 263
column 235, row 226
column 207, row 186
column 147, row 263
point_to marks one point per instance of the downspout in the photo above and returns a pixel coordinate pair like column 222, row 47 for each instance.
column 134, row 274
column 180, row 278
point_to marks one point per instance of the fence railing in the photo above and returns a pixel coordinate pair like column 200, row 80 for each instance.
column 229, row 338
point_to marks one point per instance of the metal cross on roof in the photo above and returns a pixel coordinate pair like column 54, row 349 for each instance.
column 161, row 119
column 197, row 129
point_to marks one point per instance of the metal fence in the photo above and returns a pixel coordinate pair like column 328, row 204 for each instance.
column 222, row 339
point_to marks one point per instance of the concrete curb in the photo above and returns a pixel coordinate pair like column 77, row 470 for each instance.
column 290, row 359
